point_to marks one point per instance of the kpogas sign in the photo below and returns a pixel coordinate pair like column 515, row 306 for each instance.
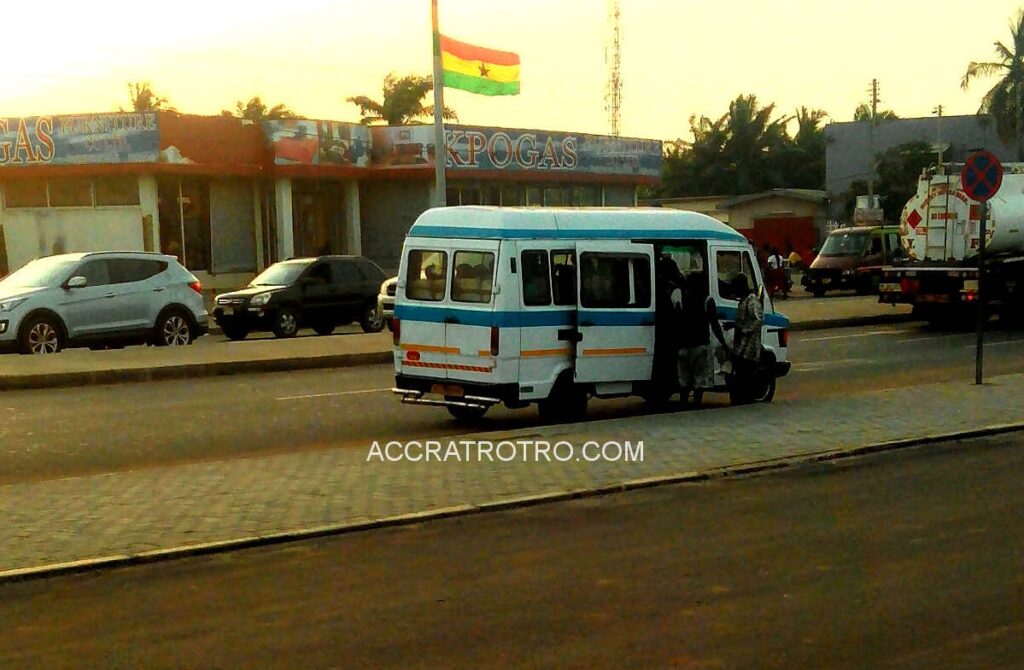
column 79, row 139
column 475, row 148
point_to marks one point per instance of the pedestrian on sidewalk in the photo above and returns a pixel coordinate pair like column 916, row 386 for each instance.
column 699, row 318
column 776, row 278
column 746, row 343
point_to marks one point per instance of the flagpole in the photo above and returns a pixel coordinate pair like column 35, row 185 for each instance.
column 440, row 152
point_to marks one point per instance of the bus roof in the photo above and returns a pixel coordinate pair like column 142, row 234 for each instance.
column 549, row 223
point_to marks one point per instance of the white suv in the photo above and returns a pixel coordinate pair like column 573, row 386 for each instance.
column 100, row 299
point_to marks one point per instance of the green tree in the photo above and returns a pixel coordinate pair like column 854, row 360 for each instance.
column 402, row 102
column 143, row 99
column 735, row 154
column 863, row 113
column 256, row 110
column 899, row 168
column 802, row 160
column 1003, row 101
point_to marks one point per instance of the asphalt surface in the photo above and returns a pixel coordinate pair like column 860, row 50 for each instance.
column 904, row 560
column 55, row 433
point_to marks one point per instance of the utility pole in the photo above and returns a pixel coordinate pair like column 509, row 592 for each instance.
column 871, row 142
column 939, row 149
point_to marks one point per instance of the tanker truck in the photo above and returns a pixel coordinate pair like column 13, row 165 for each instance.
column 939, row 233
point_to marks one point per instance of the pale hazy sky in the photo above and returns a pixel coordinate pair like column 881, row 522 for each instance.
column 679, row 57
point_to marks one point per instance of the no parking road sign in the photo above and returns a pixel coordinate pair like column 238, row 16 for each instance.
column 982, row 176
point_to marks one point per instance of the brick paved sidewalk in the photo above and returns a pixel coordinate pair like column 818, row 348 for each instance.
column 121, row 514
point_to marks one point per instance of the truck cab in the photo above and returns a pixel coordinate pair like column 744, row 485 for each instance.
column 853, row 258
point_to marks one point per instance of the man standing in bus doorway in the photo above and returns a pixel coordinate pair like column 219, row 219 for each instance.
column 698, row 319
column 746, row 343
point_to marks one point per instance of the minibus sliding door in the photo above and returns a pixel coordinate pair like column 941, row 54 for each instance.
column 615, row 312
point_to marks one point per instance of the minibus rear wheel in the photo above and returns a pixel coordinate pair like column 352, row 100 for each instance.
column 567, row 402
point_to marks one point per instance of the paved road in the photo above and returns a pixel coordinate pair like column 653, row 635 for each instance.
column 905, row 560
column 53, row 433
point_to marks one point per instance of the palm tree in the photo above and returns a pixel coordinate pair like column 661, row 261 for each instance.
column 863, row 113
column 143, row 99
column 1003, row 101
column 256, row 110
column 402, row 102
column 752, row 139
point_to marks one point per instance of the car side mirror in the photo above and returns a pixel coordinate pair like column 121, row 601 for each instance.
column 77, row 282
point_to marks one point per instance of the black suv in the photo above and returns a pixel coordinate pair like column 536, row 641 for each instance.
column 320, row 293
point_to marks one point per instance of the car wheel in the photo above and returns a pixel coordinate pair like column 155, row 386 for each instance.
column 41, row 335
column 372, row 320
column 234, row 332
column 286, row 322
column 324, row 328
column 173, row 329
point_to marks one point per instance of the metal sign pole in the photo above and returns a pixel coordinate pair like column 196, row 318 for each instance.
column 980, row 345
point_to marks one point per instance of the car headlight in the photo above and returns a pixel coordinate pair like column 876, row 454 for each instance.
column 260, row 299
column 9, row 305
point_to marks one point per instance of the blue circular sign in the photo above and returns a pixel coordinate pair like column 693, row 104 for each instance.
column 982, row 176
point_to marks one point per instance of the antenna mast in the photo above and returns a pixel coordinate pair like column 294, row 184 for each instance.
column 613, row 93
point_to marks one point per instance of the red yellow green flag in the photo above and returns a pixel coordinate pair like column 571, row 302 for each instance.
column 479, row 70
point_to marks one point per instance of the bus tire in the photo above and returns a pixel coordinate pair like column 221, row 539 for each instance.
column 567, row 401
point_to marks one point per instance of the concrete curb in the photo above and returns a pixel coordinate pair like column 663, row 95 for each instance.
column 852, row 322
column 219, row 369
column 191, row 371
column 738, row 470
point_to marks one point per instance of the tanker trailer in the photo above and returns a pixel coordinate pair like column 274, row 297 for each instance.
column 939, row 232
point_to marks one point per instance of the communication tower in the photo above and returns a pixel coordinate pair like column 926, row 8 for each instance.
column 613, row 59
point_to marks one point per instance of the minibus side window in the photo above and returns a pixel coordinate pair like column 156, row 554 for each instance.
column 731, row 263
column 610, row 280
column 563, row 276
column 427, row 275
column 536, row 279
column 473, row 277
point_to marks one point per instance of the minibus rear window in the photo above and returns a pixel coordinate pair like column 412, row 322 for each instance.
column 473, row 277
column 426, row 275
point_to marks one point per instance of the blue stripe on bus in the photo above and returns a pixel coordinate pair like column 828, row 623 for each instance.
column 505, row 233
column 561, row 317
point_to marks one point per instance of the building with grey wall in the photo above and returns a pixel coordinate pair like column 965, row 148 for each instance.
column 849, row 146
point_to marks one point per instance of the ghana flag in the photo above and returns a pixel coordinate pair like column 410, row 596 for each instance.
column 479, row 70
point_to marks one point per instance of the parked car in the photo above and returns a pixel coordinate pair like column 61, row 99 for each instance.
column 320, row 293
column 852, row 258
column 100, row 299
column 386, row 301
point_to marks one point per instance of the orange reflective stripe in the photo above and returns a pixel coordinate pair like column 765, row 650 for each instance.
column 628, row 351
column 430, row 349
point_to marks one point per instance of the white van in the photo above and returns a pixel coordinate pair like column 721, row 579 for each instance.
column 552, row 306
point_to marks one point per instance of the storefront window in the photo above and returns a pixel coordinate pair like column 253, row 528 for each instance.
column 554, row 196
column 534, row 196
column 185, row 221
column 71, row 192
column 512, row 195
column 25, row 193
column 117, row 191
